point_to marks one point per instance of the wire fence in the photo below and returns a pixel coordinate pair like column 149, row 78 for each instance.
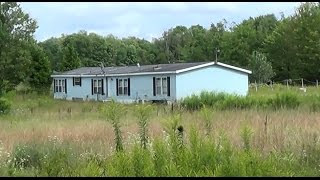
column 301, row 83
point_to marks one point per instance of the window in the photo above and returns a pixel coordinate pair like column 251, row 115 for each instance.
column 120, row 87
column 77, row 81
column 97, row 86
column 123, row 87
column 164, row 86
column 161, row 86
column 60, row 85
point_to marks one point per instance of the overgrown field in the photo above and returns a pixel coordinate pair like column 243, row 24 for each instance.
column 45, row 137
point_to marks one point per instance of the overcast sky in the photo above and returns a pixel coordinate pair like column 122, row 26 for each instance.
column 141, row 19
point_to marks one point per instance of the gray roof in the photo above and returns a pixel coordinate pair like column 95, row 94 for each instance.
column 145, row 69
column 131, row 69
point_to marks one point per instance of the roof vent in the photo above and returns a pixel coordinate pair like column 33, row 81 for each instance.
column 156, row 67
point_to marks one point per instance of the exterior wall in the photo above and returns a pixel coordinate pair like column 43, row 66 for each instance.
column 141, row 87
column 211, row 78
column 83, row 91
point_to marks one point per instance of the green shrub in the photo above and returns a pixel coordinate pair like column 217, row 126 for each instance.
column 26, row 156
column 114, row 111
column 143, row 113
column 285, row 100
column 5, row 106
column 223, row 101
column 160, row 157
column 315, row 103
column 48, row 159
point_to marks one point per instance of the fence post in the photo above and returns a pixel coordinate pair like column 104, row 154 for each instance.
column 317, row 82
column 255, row 82
column 287, row 84
column 302, row 82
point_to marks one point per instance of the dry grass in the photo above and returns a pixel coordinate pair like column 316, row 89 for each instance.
column 89, row 129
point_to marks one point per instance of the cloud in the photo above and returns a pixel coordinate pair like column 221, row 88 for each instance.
column 141, row 19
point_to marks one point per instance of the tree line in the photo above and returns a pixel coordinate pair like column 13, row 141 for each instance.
column 276, row 49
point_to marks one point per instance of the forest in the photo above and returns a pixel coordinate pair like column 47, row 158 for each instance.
column 274, row 49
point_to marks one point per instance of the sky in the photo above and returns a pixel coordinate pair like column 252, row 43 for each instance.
column 141, row 19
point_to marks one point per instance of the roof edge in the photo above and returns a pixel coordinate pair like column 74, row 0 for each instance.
column 235, row 68
column 214, row 63
column 112, row 75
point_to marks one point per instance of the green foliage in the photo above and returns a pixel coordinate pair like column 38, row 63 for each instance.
column 142, row 162
column 207, row 114
column 222, row 101
column 197, row 155
column 246, row 135
column 114, row 111
column 26, row 156
column 287, row 46
column 315, row 103
column 285, row 100
column 40, row 71
column 175, row 133
column 160, row 157
column 16, row 33
column 70, row 59
column 5, row 106
column 261, row 68
column 143, row 115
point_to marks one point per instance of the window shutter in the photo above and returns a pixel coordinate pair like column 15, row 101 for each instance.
column 154, row 86
column 102, row 87
column 65, row 85
column 168, row 86
column 106, row 86
column 128, row 86
column 92, row 86
column 117, row 87
column 80, row 81
column 73, row 81
column 54, row 85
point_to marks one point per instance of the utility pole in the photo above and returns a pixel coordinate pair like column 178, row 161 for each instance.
column 217, row 51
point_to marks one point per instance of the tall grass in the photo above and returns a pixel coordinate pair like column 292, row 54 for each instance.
column 143, row 114
column 199, row 156
column 237, row 141
column 223, row 101
column 113, row 112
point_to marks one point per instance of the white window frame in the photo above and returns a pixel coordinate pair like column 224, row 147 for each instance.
column 77, row 81
column 97, row 86
column 59, row 86
column 161, row 89
column 123, row 88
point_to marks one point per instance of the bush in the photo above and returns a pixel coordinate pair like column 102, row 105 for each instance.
column 26, row 156
column 314, row 103
column 48, row 159
column 285, row 100
column 5, row 106
column 223, row 101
